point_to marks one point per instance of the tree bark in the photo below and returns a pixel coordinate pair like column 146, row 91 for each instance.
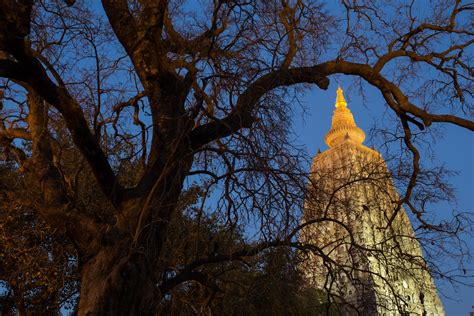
column 121, row 277
column 117, row 283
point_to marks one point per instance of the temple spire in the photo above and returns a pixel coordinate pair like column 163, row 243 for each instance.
column 340, row 100
column 343, row 127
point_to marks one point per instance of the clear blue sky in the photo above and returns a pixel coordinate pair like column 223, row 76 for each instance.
column 455, row 149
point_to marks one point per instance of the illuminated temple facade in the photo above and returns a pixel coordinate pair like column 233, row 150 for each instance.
column 365, row 254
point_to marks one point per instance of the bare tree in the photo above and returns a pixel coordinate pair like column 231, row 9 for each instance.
column 203, row 95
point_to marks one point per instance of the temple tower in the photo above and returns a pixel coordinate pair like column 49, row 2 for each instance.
column 364, row 251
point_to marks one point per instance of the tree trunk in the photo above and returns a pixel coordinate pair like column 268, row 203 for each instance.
column 121, row 276
column 120, row 279
column 117, row 283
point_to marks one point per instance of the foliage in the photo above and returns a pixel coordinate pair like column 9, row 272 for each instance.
column 38, row 264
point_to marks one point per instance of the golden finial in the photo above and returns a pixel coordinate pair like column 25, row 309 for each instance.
column 343, row 127
column 340, row 101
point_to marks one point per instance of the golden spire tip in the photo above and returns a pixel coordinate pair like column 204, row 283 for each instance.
column 340, row 100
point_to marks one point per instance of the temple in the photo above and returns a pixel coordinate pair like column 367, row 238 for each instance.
column 365, row 256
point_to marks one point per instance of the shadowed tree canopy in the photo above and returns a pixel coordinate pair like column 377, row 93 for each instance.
column 150, row 96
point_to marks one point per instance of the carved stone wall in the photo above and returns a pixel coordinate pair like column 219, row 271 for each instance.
column 365, row 252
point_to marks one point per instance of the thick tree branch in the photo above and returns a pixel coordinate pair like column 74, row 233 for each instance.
column 242, row 115
column 55, row 201
column 122, row 22
column 10, row 69
column 30, row 73
column 15, row 133
column 384, row 85
column 33, row 76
